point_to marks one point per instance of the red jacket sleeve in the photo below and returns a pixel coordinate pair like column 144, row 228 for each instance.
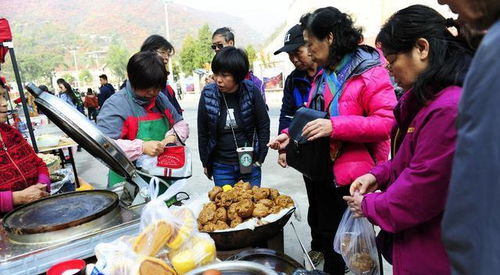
column 378, row 100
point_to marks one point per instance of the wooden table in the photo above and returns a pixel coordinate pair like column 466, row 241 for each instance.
column 64, row 143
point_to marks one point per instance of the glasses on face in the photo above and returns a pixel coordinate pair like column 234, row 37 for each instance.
column 162, row 53
column 390, row 60
column 218, row 46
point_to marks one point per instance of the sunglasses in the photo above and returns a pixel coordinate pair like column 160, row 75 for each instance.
column 217, row 46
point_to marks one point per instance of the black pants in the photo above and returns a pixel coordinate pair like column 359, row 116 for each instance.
column 92, row 113
column 326, row 208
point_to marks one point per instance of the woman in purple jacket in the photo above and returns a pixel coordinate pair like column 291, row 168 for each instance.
column 430, row 64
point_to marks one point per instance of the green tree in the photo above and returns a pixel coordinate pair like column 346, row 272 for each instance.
column 69, row 78
column 204, row 53
column 188, row 55
column 196, row 53
column 117, row 60
column 85, row 76
column 252, row 54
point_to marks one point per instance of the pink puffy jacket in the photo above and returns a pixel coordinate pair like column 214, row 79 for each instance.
column 362, row 130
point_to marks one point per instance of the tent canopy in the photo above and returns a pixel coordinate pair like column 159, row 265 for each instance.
column 5, row 35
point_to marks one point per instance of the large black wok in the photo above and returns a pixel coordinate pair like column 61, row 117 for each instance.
column 231, row 240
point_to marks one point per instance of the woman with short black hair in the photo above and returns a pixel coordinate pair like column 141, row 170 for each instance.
column 233, row 124
column 139, row 117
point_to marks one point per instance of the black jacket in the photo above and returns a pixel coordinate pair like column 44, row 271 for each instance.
column 295, row 94
column 252, row 112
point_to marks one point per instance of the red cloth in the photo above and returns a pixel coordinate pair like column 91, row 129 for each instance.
column 91, row 101
column 5, row 35
column 21, row 154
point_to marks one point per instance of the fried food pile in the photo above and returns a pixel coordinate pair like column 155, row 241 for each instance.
column 227, row 209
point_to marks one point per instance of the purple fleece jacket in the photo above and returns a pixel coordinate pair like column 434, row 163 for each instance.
column 415, row 185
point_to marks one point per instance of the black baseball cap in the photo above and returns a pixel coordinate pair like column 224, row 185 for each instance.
column 294, row 38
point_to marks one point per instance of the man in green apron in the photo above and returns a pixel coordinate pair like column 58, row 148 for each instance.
column 140, row 118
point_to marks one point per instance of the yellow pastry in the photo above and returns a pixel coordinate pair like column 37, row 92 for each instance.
column 150, row 265
column 183, row 261
column 153, row 238
column 184, row 232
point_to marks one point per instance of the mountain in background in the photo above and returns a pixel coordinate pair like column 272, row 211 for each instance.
column 131, row 21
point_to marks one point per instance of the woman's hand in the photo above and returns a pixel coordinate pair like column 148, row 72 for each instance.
column 280, row 142
column 30, row 194
column 367, row 183
column 354, row 204
column 317, row 128
column 170, row 139
column 153, row 148
column 282, row 160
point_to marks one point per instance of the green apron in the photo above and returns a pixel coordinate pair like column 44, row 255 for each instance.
column 147, row 130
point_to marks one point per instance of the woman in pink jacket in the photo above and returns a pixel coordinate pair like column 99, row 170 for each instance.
column 430, row 64
column 355, row 89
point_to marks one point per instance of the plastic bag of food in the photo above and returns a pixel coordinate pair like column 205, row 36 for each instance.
column 355, row 241
column 199, row 250
column 162, row 227
column 62, row 181
column 118, row 258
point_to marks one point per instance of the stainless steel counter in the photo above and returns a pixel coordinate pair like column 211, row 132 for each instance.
column 18, row 258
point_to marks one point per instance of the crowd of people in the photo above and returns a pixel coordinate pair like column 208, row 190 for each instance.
column 421, row 166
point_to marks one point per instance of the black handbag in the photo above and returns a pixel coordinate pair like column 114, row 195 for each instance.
column 311, row 158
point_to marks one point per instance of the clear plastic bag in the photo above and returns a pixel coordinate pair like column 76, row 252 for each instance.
column 199, row 250
column 355, row 241
column 64, row 184
column 118, row 258
column 172, row 233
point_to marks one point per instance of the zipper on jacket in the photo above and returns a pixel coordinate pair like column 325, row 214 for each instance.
column 393, row 152
column 13, row 162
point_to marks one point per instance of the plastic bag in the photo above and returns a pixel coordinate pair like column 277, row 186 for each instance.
column 174, row 164
column 355, row 241
column 173, row 230
column 199, row 250
column 65, row 182
column 118, row 258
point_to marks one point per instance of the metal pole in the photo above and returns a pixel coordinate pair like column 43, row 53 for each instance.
column 171, row 75
column 76, row 68
column 23, row 98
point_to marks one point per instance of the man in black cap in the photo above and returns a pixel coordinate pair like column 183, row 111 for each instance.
column 296, row 95
column 298, row 83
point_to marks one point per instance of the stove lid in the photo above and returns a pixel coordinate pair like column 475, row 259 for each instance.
column 60, row 212
column 83, row 131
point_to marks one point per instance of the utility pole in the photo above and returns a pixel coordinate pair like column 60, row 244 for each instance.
column 73, row 51
column 171, row 75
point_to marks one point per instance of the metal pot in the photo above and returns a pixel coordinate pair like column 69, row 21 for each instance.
column 231, row 240
column 275, row 260
column 235, row 268
column 61, row 217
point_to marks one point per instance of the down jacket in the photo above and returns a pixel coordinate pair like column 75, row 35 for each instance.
column 362, row 129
